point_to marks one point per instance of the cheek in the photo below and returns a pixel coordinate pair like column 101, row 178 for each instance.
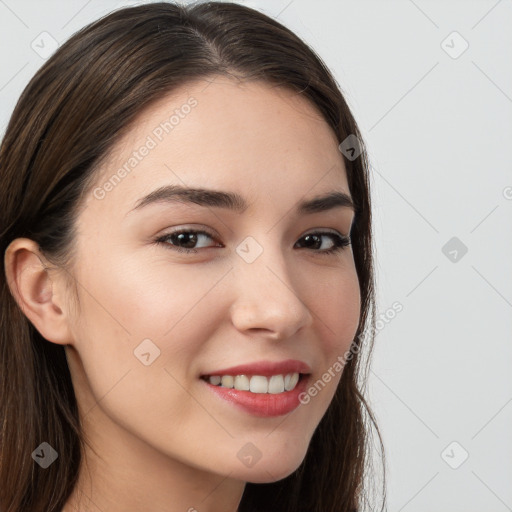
column 337, row 312
column 338, row 308
column 124, row 306
column 126, row 303
column 147, row 299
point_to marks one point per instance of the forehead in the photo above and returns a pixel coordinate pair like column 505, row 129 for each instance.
column 225, row 134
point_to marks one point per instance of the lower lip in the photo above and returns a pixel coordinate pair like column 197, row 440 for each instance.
column 264, row 405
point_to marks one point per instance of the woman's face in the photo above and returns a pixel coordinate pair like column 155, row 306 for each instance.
column 155, row 320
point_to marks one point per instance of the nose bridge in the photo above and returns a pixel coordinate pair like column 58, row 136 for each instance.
column 266, row 296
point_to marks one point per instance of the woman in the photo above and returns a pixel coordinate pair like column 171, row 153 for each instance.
column 187, row 275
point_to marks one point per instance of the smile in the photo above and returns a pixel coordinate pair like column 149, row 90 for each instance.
column 256, row 383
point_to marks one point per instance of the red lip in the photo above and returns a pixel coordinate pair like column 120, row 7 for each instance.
column 264, row 405
column 264, row 368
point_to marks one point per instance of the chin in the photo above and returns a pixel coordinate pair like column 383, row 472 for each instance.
column 269, row 471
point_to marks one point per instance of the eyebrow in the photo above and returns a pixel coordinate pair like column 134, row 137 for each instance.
column 235, row 202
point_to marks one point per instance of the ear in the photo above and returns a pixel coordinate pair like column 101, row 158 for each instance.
column 41, row 299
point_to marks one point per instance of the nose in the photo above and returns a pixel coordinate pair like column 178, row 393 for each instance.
column 268, row 301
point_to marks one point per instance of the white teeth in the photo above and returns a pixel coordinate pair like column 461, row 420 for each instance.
column 291, row 381
column 242, row 383
column 257, row 383
column 276, row 384
column 227, row 381
column 215, row 380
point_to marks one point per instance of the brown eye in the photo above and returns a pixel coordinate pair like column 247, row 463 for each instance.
column 314, row 241
column 184, row 240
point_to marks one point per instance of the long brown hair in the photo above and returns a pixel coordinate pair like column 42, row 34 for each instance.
column 67, row 119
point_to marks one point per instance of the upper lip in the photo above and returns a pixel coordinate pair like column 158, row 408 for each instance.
column 264, row 368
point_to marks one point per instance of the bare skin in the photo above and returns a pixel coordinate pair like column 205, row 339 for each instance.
column 159, row 439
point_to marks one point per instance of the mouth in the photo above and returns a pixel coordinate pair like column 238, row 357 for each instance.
column 259, row 395
column 258, row 384
column 260, row 388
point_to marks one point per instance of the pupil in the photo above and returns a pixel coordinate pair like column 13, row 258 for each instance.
column 311, row 238
column 192, row 239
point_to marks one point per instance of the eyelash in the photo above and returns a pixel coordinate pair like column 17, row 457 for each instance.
column 340, row 242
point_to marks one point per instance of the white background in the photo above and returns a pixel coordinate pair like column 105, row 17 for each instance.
column 439, row 133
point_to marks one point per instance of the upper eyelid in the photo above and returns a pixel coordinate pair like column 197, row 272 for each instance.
column 204, row 231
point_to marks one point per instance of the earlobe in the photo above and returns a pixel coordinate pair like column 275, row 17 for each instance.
column 37, row 295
